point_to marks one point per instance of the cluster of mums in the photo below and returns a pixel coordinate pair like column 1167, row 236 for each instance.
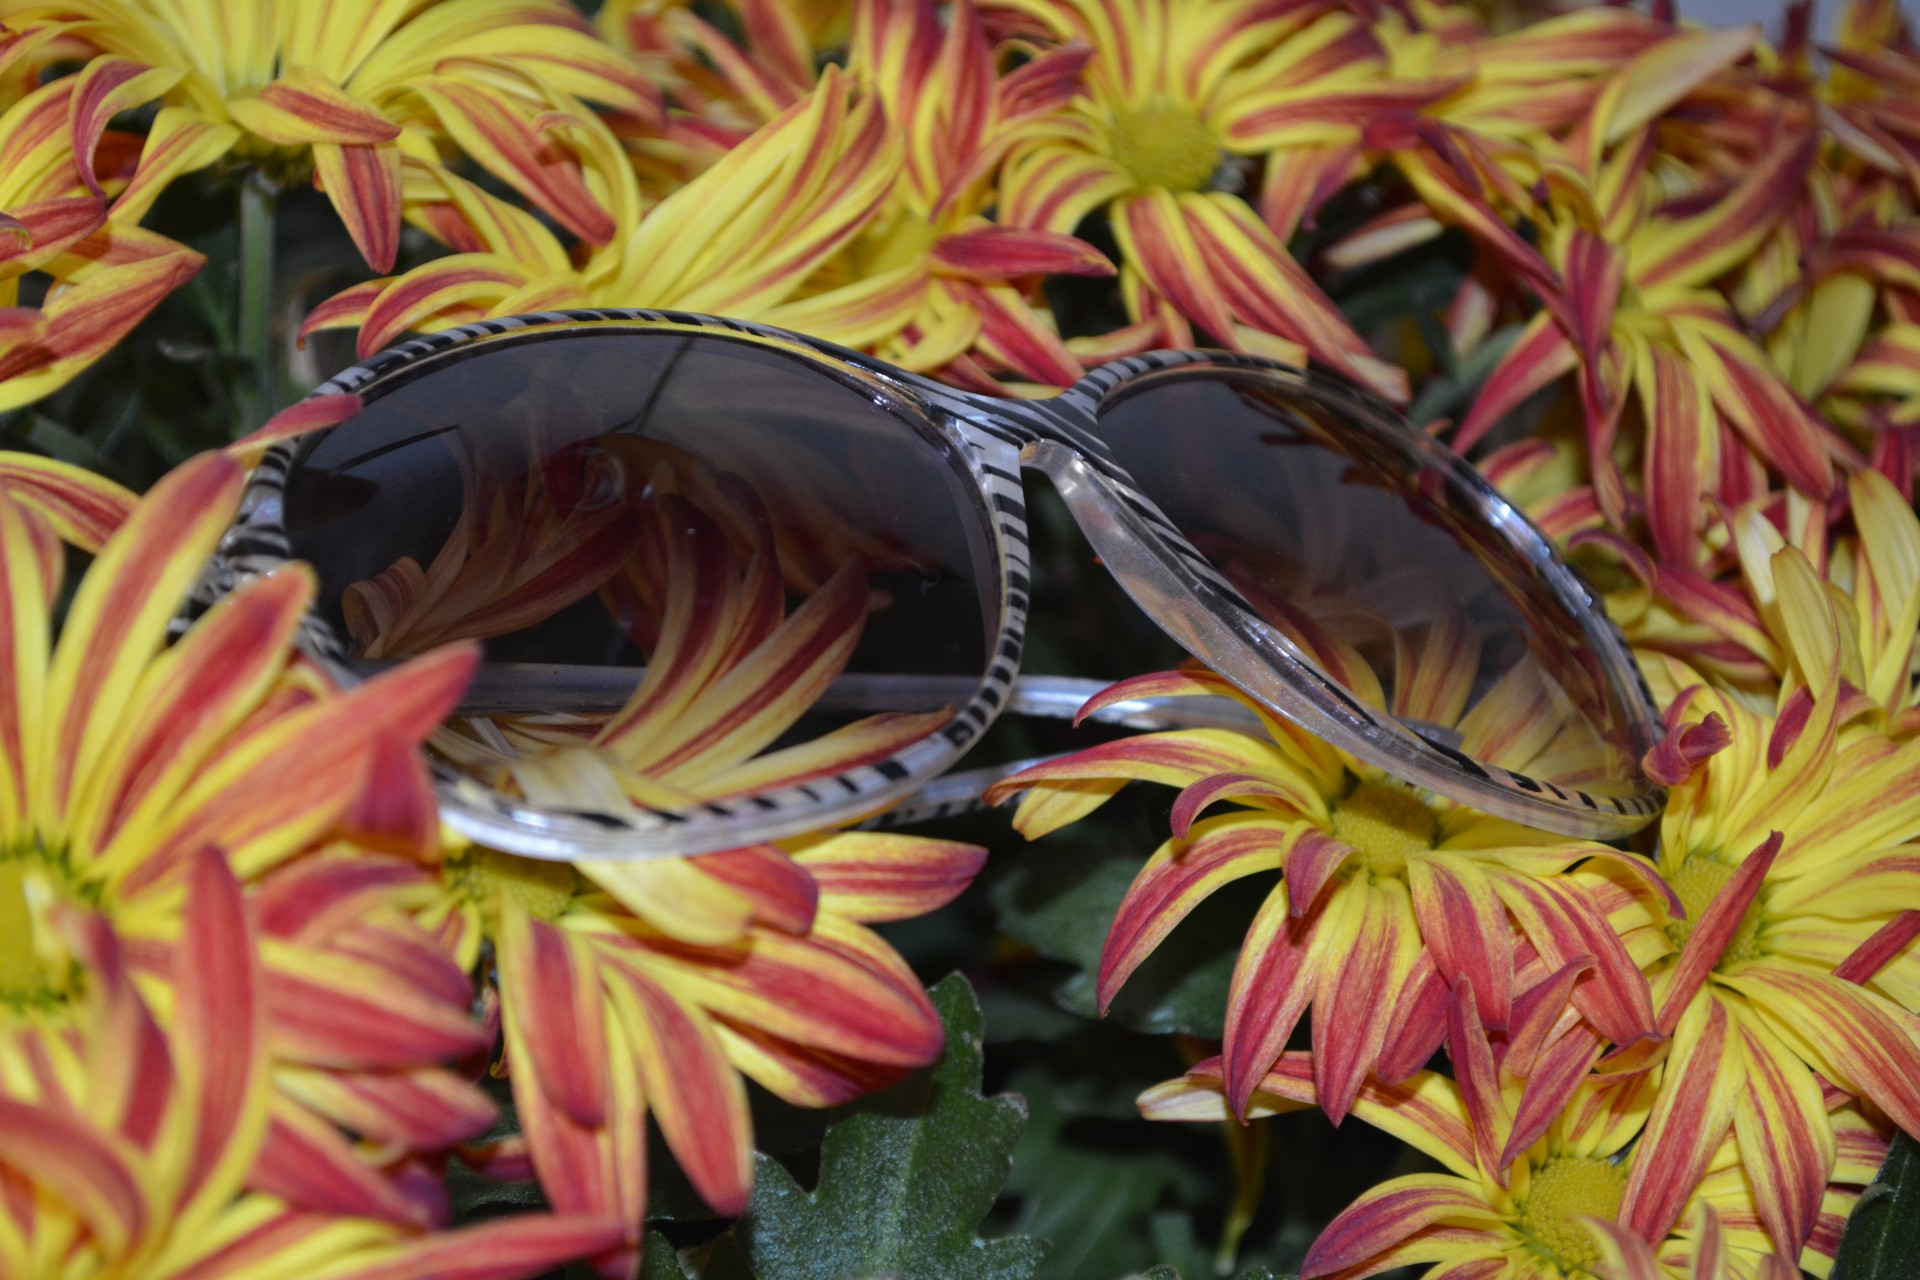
column 248, row 984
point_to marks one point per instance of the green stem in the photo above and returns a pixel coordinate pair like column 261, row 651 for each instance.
column 256, row 395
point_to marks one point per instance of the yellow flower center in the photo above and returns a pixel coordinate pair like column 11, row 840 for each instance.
column 1565, row 1190
column 36, row 973
column 1697, row 883
column 1386, row 823
column 1163, row 145
column 543, row 889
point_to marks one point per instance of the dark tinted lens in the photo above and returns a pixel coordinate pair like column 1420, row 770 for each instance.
column 628, row 500
column 1381, row 564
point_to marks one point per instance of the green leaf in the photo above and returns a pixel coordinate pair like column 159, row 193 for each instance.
column 905, row 1177
column 1882, row 1238
column 1087, row 1183
column 659, row 1261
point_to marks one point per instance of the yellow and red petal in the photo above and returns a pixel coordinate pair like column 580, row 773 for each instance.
column 1279, row 969
column 1177, row 878
column 550, row 981
column 307, row 1162
column 1786, row 1141
column 179, row 141
column 303, row 107
column 87, row 318
column 271, row 790
column 84, row 509
column 219, row 1039
column 119, row 617
column 357, row 1013
column 693, row 1092
column 524, row 1244
column 880, row 876
column 782, row 893
column 58, row 1150
column 105, row 87
column 1179, row 758
column 1562, row 924
column 1541, row 354
column 1391, row 1214
column 997, row 252
column 1464, row 926
column 187, row 701
column 804, row 991
column 1707, row 943
column 513, row 149
column 1359, row 997
column 43, row 229
column 1847, row 1033
column 1691, row 1116
column 363, row 182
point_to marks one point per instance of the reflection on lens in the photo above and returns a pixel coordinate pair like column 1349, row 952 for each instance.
column 674, row 547
column 1381, row 567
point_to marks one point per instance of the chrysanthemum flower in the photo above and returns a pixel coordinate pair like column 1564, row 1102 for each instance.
column 1536, row 1217
column 1640, row 317
column 1388, row 896
column 105, row 276
column 121, row 758
column 947, row 290
column 1181, row 91
column 1792, row 972
column 650, row 987
column 740, row 239
column 130, row 1150
column 291, row 85
column 611, row 1014
column 1738, row 636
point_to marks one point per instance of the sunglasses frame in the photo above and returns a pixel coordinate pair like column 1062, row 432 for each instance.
column 993, row 439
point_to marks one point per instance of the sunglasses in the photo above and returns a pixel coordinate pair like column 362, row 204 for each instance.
column 629, row 505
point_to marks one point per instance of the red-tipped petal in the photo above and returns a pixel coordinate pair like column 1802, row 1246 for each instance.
column 1690, row 1118
column 363, row 182
column 695, row 1096
column 997, row 252
column 876, row 876
column 1714, row 930
column 1177, row 878
column 72, row 1160
column 1390, row 1214
column 1465, row 927
column 106, row 87
column 1786, row 1141
column 551, row 983
column 1672, row 761
column 1279, row 967
column 218, row 1032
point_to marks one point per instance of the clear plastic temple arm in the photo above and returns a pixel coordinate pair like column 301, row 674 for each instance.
column 501, row 688
column 537, row 688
